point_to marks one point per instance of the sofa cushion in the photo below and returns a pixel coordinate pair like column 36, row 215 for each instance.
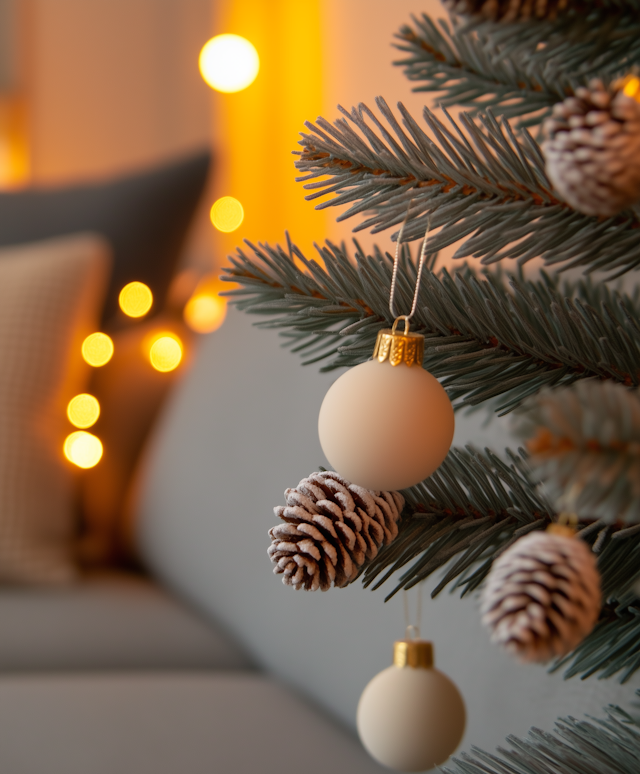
column 144, row 216
column 51, row 295
column 226, row 723
column 108, row 622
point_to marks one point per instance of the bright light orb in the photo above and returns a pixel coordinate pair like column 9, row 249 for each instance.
column 97, row 349
column 135, row 299
column 83, row 410
column 227, row 214
column 83, row 449
column 165, row 353
column 205, row 312
column 229, row 63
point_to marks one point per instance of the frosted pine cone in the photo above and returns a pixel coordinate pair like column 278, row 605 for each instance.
column 542, row 596
column 511, row 10
column 593, row 148
column 330, row 528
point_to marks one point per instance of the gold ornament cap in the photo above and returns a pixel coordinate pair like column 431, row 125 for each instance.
column 413, row 653
column 399, row 348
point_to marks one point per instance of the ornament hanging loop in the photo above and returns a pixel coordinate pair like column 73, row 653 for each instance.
column 394, row 276
column 412, row 632
column 406, row 324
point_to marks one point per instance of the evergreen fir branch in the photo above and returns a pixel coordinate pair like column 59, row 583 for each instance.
column 471, row 508
column 585, row 446
column 612, row 647
column 518, row 69
column 592, row 746
column 461, row 65
column 524, row 72
column 497, row 335
column 484, row 186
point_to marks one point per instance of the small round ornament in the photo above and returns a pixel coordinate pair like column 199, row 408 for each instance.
column 387, row 424
column 542, row 595
column 411, row 717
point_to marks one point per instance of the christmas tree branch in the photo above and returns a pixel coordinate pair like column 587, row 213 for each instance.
column 497, row 335
column 585, row 446
column 467, row 70
column 482, row 185
column 609, row 745
column 520, row 69
column 471, row 510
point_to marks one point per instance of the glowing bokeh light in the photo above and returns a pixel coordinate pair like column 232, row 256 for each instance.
column 97, row 349
column 135, row 299
column 205, row 312
column 83, row 449
column 229, row 63
column 165, row 352
column 227, row 214
column 631, row 87
column 83, row 410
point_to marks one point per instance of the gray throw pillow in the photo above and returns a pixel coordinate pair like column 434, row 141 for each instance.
column 144, row 216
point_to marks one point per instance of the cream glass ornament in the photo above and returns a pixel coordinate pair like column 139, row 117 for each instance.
column 411, row 717
column 387, row 424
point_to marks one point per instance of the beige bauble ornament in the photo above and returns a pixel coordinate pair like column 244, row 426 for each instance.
column 387, row 424
column 411, row 717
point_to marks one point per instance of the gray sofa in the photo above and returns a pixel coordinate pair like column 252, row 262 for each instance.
column 215, row 666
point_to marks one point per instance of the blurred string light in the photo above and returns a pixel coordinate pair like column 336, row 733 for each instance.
column 165, row 352
column 83, row 449
column 83, row 410
column 205, row 312
column 135, row 299
column 97, row 349
column 229, row 63
column 227, row 214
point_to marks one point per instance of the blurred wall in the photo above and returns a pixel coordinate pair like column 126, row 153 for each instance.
column 114, row 84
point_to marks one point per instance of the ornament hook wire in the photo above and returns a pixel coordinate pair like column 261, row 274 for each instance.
column 394, row 276
column 412, row 631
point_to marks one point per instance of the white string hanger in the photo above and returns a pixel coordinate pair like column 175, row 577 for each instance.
column 412, row 631
column 394, row 276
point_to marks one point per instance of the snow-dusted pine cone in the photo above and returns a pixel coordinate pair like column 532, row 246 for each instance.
column 592, row 148
column 511, row 10
column 330, row 528
column 542, row 596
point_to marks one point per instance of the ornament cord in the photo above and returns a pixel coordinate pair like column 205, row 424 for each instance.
column 412, row 631
column 394, row 276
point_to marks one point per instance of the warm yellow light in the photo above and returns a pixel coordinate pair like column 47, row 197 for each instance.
column 83, row 449
column 83, row 410
column 97, row 349
column 205, row 312
column 632, row 87
column 165, row 352
column 135, row 299
column 227, row 214
column 229, row 63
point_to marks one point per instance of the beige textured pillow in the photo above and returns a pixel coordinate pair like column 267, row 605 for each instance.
column 51, row 295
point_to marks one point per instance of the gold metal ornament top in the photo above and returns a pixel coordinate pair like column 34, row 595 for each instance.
column 413, row 653
column 399, row 348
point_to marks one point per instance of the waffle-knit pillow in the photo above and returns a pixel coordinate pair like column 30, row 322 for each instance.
column 51, row 296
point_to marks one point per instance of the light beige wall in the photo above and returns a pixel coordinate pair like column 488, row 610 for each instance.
column 359, row 53
column 114, row 84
